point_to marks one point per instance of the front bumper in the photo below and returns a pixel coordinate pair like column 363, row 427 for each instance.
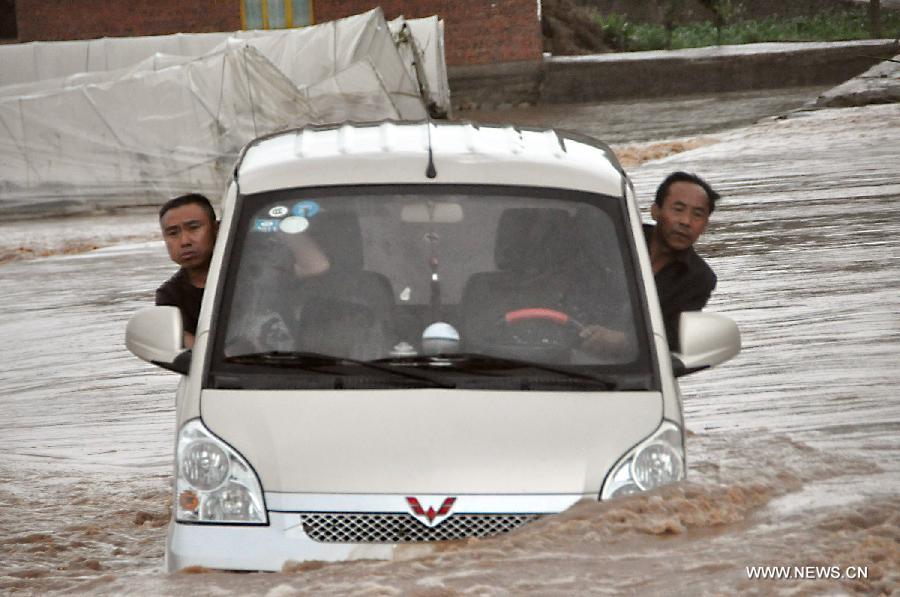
column 334, row 521
column 257, row 547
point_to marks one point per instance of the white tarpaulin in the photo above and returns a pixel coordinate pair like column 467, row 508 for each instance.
column 168, row 124
column 156, row 132
column 36, row 61
column 156, row 62
column 84, row 61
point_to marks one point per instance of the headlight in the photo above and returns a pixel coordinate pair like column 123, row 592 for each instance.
column 656, row 461
column 204, row 465
column 213, row 482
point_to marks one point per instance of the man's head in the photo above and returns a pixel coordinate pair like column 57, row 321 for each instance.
column 189, row 228
column 682, row 208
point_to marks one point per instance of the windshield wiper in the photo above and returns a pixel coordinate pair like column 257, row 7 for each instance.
column 312, row 361
column 473, row 361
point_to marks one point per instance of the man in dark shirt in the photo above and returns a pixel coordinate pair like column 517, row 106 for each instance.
column 684, row 281
column 189, row 229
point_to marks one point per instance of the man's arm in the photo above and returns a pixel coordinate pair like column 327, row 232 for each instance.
column 601, row 340
column 309, row 260
column 694, row 298
column 166, row 297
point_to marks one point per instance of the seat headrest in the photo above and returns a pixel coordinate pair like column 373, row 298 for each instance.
column 531, row 239
column 339, row 236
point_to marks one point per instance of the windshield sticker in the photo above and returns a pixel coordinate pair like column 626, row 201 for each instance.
column 305, row 209
column 293, row 225
column 279, row 211
column 265, row 225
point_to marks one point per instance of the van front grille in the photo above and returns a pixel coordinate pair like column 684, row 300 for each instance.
column 342, row 527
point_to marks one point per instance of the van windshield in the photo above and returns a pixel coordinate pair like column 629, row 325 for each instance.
column 450, row 286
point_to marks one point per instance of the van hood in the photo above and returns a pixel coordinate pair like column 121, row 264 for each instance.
column 431, row 441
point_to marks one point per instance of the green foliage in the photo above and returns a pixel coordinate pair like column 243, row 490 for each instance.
column 648, row 37
column 617, row 31
column 828, row 26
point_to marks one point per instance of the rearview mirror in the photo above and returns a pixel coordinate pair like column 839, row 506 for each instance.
column 432, row 213
column 156, row 335
column 706, row 340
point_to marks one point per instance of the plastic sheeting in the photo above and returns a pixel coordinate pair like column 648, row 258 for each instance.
column 26, row 66
column 169, row 123
column 37, row 61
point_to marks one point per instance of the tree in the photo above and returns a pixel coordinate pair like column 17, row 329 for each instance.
column 722, row 11
column 671, row 9
column 875, row 18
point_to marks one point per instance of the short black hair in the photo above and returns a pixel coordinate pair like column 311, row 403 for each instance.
column 674, row 177
column 188, row 199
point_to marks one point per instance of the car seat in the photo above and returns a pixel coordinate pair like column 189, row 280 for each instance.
column 533, row 254
column 345, row 311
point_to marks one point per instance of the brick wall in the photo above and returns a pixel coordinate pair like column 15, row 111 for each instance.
column 475, row 31
column 39, row 20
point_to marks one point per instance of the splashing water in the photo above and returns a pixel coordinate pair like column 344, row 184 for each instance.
column 792, row 446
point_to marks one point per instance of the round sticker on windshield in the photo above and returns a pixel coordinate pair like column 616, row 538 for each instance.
column 279, row 211
column 293, row 225
column 305, row 209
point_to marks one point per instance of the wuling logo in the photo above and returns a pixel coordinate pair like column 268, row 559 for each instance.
column 431, row 517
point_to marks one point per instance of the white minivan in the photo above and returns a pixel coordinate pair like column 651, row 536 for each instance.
column 391, row 347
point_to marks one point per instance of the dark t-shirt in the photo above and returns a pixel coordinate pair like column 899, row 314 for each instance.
column 684, row 284
column 178, row 291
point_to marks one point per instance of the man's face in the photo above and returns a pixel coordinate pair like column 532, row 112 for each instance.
column 189, row 235
column 683, row 216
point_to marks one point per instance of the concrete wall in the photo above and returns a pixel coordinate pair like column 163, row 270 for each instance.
column 707, row 70
column 497, row 85
column 658, row 74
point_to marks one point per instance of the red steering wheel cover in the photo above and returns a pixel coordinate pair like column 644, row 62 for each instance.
column 537, row 313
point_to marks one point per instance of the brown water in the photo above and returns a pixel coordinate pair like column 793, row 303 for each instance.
column 792, row 447
column 628, row 121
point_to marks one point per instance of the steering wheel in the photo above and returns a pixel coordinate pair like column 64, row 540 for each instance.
column 539, row 342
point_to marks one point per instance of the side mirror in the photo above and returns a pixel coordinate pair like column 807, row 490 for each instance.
column 156, row 335
column 706, row 339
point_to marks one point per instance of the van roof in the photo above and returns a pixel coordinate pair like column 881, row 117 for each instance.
column 391, row 152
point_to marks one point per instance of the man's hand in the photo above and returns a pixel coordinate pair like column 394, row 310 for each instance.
column 602, row 340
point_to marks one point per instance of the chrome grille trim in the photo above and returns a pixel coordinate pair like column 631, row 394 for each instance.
column 343, row 527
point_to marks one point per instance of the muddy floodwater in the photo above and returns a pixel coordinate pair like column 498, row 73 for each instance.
column 792, row 447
